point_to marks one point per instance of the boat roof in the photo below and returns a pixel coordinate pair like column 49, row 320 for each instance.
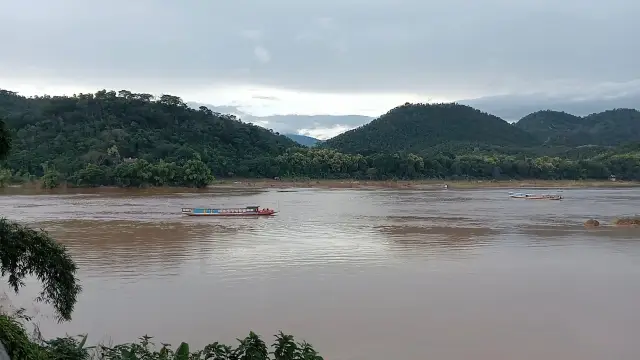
column 234, row 208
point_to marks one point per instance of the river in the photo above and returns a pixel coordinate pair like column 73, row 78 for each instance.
column 360, row 274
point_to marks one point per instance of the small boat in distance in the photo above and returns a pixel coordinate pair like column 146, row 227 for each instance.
column 246, row 211
column 534, row 197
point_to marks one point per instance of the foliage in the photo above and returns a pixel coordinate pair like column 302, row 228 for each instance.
column 417, row 127
column 51, row 179
column 24, row 252
column 611, row 127
column 134, row 140
column 324, row 163
column 5, row 177
column 15, row 339
column 108, row 128
column 303, row 139
column 20, row 346
column 5, row 140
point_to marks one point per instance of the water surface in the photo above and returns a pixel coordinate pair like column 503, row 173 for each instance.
column 359, row 274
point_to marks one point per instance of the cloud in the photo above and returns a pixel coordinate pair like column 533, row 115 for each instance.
column 324, row 133
column 262, row 54
column 444, row 49
column 264, row 97
column 318, row 126
column 581, row 103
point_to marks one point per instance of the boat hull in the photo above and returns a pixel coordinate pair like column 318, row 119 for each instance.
column 231, row 214
column 247, row 211
column 536, row 197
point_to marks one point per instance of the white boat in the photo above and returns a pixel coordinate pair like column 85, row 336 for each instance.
column 534, row 196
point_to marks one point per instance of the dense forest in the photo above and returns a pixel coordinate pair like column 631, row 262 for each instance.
column 418, row 127
column 128, row 139
column 608, row 128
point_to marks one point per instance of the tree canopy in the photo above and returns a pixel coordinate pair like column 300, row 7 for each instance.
column 417, row 127
column 109, row 128
column 607, row 128
column 128, row 139
column 5, row 140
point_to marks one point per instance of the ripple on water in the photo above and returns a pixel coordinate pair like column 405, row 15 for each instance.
column 360, row 262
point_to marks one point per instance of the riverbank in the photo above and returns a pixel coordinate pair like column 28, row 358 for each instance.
column 421, row 184
column 263, row 184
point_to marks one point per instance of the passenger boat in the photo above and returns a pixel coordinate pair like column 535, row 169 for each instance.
column 246, row 211
column 534, row 197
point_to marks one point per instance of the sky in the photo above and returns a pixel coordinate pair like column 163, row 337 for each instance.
column 332, row 57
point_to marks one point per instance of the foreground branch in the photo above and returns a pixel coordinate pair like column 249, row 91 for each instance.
column 27, row 252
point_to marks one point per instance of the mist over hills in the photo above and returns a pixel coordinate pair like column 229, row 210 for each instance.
column 508, row 107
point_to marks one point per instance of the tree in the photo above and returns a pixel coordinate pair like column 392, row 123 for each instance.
column 24, row 251
column 51, row 179
column 197, row 174
column 5, row 177
column 5, row 140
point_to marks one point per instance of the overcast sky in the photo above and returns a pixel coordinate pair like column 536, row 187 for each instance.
column 329, row 56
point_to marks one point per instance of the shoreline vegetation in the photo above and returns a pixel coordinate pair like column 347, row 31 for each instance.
column 337, row 184
column 17, row 344
column 422, row 184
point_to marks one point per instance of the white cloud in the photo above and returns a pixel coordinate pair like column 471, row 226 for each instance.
column 252, row 99
column 324, row 133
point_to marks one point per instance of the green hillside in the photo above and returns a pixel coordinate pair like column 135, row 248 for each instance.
column 128, row 139
column 105, row 128
column 607, row 128
column 418, row 127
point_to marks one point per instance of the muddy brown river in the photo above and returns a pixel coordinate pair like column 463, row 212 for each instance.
column 366, row 275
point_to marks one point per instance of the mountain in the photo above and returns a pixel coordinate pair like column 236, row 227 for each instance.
column 291, row 123
column 417, row 127
column 549, row 125
column 514, row 107
column 66, row 133
column 128, row 139
column 303, row 139
column 607, row 128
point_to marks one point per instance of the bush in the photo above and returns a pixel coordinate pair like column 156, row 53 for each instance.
column 21, row 347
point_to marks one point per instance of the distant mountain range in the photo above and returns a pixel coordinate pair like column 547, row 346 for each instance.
column 508, row 107
column 303, row 139
column 514, row 107
column 450, row 127
column 292, row 123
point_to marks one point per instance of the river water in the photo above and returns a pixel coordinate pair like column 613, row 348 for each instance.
column 360, row 274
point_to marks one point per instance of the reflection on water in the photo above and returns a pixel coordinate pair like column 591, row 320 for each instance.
column 439, row 274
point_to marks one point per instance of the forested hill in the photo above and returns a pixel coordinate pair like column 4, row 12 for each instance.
column 303, row 139
column 418, row 127
column 608, row 128
column 128, row 139
column 67, row 133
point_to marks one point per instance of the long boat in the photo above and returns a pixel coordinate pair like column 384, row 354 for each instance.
column 534, row 197
column 246, row 211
